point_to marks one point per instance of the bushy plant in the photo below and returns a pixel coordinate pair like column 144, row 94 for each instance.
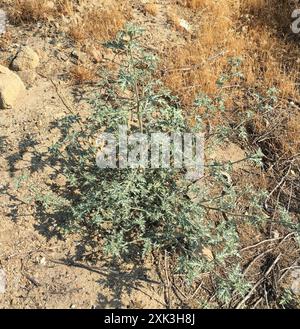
column 135, row 211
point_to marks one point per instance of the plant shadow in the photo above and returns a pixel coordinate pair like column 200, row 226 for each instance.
column 112, row 276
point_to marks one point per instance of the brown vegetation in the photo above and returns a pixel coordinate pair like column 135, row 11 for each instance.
column 101, row 24
column 227, row 30
column 26, row 11
column 80, row 74
column 151, row 8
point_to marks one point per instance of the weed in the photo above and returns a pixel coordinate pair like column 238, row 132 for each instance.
column 136, row 211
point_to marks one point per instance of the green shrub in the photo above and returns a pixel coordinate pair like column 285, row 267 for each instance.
column 135, row 211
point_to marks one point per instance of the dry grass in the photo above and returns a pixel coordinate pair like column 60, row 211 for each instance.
column 291, row 140
column 66, row 7
column 227, row 29
column 5, row 41
column 151, row 8
column 258, row 32
column 194, row 4
column 199, row 64
column 81, row 74
column 24, row 11
column 174, row 19
column 27, row 11
column 100, row 25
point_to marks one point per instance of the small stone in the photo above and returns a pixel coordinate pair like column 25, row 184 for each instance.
column 63, row 57
column 11, row 86
column 26, row 59
column 185, row 25
column 50, row 5
column 53, row 42
column 56, row 24
column 77, row 56
column 43, row 261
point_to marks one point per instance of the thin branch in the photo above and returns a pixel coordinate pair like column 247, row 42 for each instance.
column 258, row 283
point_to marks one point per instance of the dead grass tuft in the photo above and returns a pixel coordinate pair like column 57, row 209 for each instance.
column 100, row 25
column 151, row 8
column 250, row 29
column 194, row 4
column 28, row 11
column 289, row 140
column 197, row 65
column 65, row 7
column 81, row 74
column 173, row 19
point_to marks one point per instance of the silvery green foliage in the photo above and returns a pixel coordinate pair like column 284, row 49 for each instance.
column 135, row 211
column 149, row 209
column 233, row 283
column 287, row 299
